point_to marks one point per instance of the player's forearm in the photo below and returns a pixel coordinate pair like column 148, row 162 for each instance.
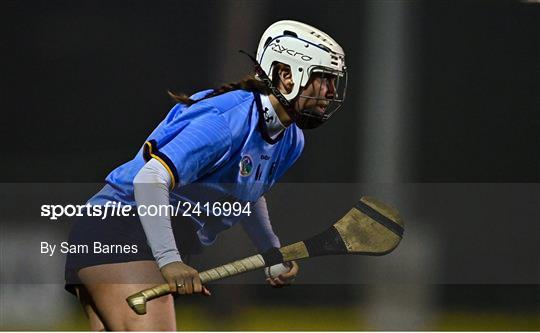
column 259, row 228
column 151, row 187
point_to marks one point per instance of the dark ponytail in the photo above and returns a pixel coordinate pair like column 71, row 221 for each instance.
column 249, row 83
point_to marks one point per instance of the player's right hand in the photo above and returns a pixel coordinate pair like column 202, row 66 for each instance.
column 183, row 279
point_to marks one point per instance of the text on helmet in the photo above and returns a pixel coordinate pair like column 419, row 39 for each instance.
column 281, row 49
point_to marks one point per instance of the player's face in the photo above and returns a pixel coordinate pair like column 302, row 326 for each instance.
column 319, row 90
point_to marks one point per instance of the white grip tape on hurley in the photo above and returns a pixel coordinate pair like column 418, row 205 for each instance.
column 233, row 268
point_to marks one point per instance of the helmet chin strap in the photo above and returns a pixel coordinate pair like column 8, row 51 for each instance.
column 288, row 106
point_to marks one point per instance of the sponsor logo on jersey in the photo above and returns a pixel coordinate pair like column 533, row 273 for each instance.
column 246, row 165
column 267, row 117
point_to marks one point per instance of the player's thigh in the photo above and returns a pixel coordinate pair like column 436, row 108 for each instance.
column 118, row 316
column 96, row 324
column 109, row 285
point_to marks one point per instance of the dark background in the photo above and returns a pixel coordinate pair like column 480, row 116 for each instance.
column 83, row 84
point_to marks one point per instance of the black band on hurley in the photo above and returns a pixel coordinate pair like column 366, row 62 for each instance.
column 328, row 242
column 272, row 257
column 375, row 215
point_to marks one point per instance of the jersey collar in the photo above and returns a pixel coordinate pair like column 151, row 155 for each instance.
column 271, row 128
column 273, row 124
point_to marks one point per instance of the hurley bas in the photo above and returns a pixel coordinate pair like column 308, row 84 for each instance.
column 96, row 248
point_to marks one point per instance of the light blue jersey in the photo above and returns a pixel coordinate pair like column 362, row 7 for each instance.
column 215, row 150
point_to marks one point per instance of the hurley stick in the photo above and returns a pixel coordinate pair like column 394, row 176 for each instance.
column 369, row 228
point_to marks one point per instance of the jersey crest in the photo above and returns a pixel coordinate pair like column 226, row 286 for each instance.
column 246, row 165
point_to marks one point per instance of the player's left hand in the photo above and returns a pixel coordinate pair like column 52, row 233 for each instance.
column 285, row 278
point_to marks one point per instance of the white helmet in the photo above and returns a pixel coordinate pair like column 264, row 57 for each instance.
column 305, row 50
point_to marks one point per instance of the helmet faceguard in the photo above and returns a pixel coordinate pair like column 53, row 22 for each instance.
column 325, row 104
column 311, row 55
